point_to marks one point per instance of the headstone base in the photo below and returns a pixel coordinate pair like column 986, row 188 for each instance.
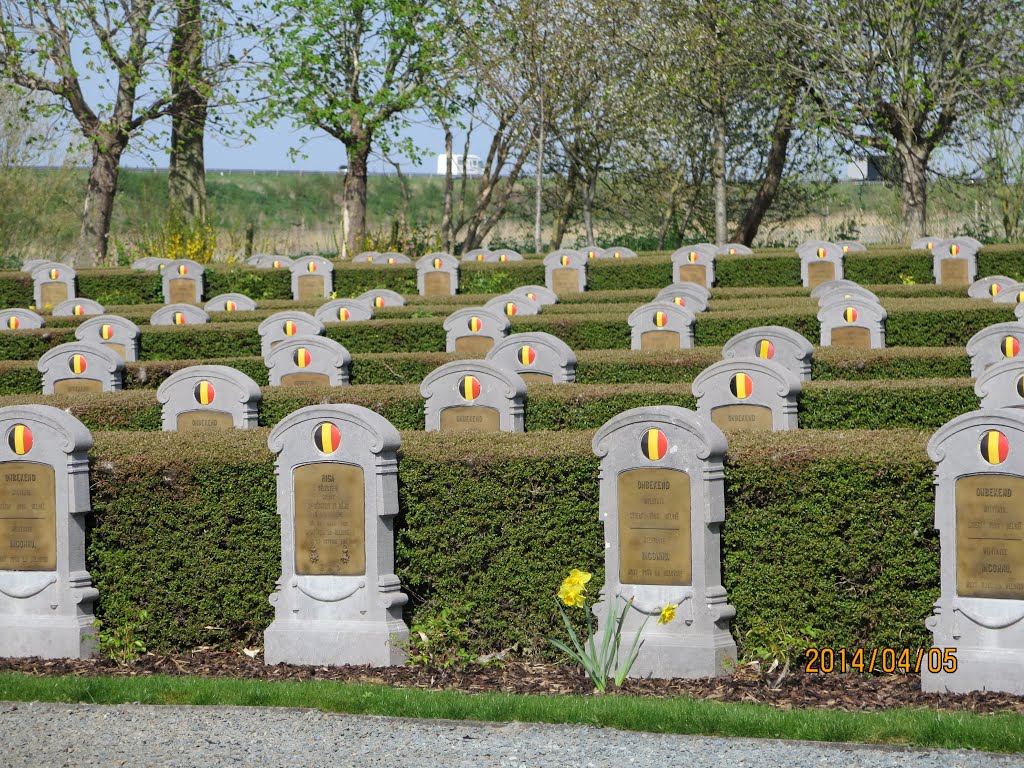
column 48, row 637
column 665, row 655
column 978, row 669
column 334, row 643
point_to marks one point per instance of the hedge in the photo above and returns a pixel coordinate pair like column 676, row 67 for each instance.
column 832, row 531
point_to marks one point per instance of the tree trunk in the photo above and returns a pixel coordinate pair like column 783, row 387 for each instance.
column 588, row 207
column 913, row 161
column 186, row 177
column 447, row 230
column 99, row 203
column 565, row 210
column 718, row 173
column 670, row 209
column 354, row 194
column 538, row 197
column 776, row 163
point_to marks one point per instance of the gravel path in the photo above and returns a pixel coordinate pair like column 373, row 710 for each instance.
column 82, row 736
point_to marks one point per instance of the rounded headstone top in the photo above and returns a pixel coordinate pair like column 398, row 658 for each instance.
column 832, row 285
column 94, row 324
column 230, row 302
column 743, row 343
column 507, row 254
column 865, row 309
column 539, row 293
column 183, row 268
column 787, row 383
column 460, row 316
column 701, row 253
column 617, row 252
column 512, row 304
column 366, row 257
column 565, row 257
column 433, row 261
column 78, row 308
column 976, row 423
column 77, row 437
column 1013, row 366
column 479, row 254
column 827, row 297
column 95, row 354
column 1015, row 330
column 382, row 297
column 52, row 270
column 711, row 442
column 734, row 249
column 512, row 384
column 19, row 319
column 307, row 320
column 851, row 246
column 989, row 287
column 179, row 314
column 247, row 390
column 380, row 435
column 677, row 313
column 561, row 350
column 341, row 310
column 312, row 265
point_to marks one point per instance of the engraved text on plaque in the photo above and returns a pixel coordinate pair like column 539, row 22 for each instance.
column 820, row 272
column 990, row 536
column 329, row 523
column 654, row 527
column 742, row 418
column 470, row 418
column 28, row 517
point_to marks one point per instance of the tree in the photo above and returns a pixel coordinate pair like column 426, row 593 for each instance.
column 190, row 95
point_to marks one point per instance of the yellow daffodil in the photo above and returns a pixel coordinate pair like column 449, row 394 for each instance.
column 577, row 576
column 667, row 614
column 570, row 594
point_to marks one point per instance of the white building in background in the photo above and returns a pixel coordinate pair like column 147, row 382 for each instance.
column 473, row 165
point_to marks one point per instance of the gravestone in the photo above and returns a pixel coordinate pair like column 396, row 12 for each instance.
column 953, row 264
column 538, row 358
column 511, row 305
column 851, row 246
column 230, row 302
column 1011, row 294
column 507, row 254
column 473, row 396
column 285, row 325
column 366, row 257
column 378, row 298
column 994, row 344
column 338, row 600
column 565, row 271
column 479, row 254
column 115, row 333
column 592, row 252
column 1001, row 385
column 52, row 284
column 206, row 398
column 80, row 367
column 989, row 287
column 662, row 502
column 690, row 295
column 78, row 308
column 437, row 274
column 309, row 361
column 977, row 627
column 833, row 285
column 852, row 322
column 311, row 278
column 820, row 262
column 617, row 252
column 694, row 264
column 182, row 281
column 773, row 342
column 150, row 264
column 391, row 259
column 1018, row 311
column 661, row 326
column 46, row 593
column 179, row 314
column 539, row 293
column 748, row 394
column 343, row 310
column 270, row 262
column 29, row 265
column 474, row 330
column 830, row 295
column 968, row 242
column 18, row 319
column 733, row 249
column 924, row 243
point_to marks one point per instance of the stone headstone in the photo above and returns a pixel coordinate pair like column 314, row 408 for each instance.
column 391, row 259
column 80, row 367
column 507, row 254
column 690, row 295
column 150, row 264
column 851, row 246
column 52, row 284
column 773, row 342
column 661, row 326
column 78, row 308
column 511, row 305
column 1001, row 385
column 953, row 264
column 565, row 271
column 924, row 243
column 748, row 394
column 206, row 398
column 115, row 333
column 833, row 285
column 830, row 295
column 662, row 502
column 311, row 278
column 1011, row 294
column 182, row 281
column 617, row 252
column 968, row 242
column 994, row 344
column 343, row 310
column 46, row 593
column 378, row 298
column 366, row 257
column 474, row 330
column 437, row 274
column 338, row 600
column 270, row 262
column 179, row 314
column 479, row 254
column 309, row 361
column 978, row 635
column 733, row 249
column 230, row 302
column 820, row 262
column 18, row 319
column 852, row 322
column 285, row 325
column 1018, row 311
column 29, row 265
column 592, row 252
column 694, row 264
column 538, row 358
column 539, row 293
column 989, row 287
column 473, row 396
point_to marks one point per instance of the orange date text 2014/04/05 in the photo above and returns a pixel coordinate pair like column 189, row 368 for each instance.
column 886, row 660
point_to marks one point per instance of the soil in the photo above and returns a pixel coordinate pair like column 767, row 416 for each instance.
column 844, row 692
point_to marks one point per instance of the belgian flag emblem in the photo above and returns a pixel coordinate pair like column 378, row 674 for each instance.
column 617, row 255
column 183, row 269
column 277, row 263
column 160, row 267
column 391, row 260
column 822, row 253
column 369, row 258
column 994, row 447
column 1020, row 296
column 230, row 306
column 527, row 355
column 532, row 296
column 327, row 437
column 311, row 267
column 13, row 323
column 54, row 274
column 302, row 358
column 994, row 289
column 1020, row 386
column 438, row 263
column 290, row 328
column 1010, row 347
column 654, row 444
column 660, row 319
column 565, row 260
column 78, row 311
column 741, row 386
column 954, row 250
column 850, row 315
column 106, row 332
column 692, row 257
column 511, row 309
column 378, row 301
column 479, row 257
column 475, row 324
column 503, row 257
column 179, row 318
column 846, row 249
column 204, row 392
column 591, row 254
column 469, row 388
column 764, row 349
column 732, row 251
column 343, row 313
column 77, row 364
column 931, row 245
column 679, row 301
column 20, row 439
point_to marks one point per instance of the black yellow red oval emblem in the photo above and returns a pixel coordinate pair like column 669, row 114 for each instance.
column 327, row 437
column 277, row 263
column 526, row 355
column 230, row 306
column 183, row 269
column 378, row 301
column 77, row 364
column 290, row 327
column 732, row 251
column 391, row 260
column 931, row 245
column 475, row 324
column 994, row 289
column 822, row 253
column 78, row 311
column 660, row 319
column 1020, row 386
column 54, row 274
column 565, row 260
column 764, row 349
column 850, row 315
column 654, row 444
column 954, row 250
column 741, row 386
column 343, row 313
column 311, row 266
column 994, row 447
column 469, row 388
column 531, row 296
column 302, row 358
column 369, row 259
column 511, row 309
column 179, row 318
column 679, row 301
column 692, row 257
column 438, row 263
column 1010, row 347
column 503, row 257
column 13, row 323
column 846, row 249
column 204, row 392
column 20, row 439
column 106, row 332
column 591, row 254
column 617, row 255
column 480, row 257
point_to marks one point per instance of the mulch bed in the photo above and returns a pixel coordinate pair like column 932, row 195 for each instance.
column 845, row 692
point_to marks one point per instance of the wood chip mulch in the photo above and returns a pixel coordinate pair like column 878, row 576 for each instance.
column 845, row 692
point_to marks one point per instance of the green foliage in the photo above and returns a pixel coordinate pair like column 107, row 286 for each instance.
column 440, row 639
column 772, row 647
column 122, row 643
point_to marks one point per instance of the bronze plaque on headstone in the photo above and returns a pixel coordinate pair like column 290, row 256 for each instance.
column 474, row 345
column 437, row 284
column 306, row 380
column 820, row 272
column 654, row 527
column 183, row 291
column 953, row 272
column 536, row 378
column 990, row 536
column 311, row 287
column 329, row 524
column 77, row 386
column 693, row 273
column 119, row 348
column 53, row 293
column 742, row 418
column 851, row 337
column 565, row 281
column 659, row 341
column 470, row 418
column 28, row 517
column 204, row 421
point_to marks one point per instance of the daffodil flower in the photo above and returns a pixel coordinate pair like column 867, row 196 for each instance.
column 667, row 614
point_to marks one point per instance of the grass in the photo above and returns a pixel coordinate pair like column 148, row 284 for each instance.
column 680, row 715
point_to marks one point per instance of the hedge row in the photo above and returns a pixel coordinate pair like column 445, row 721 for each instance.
column 832, row 531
